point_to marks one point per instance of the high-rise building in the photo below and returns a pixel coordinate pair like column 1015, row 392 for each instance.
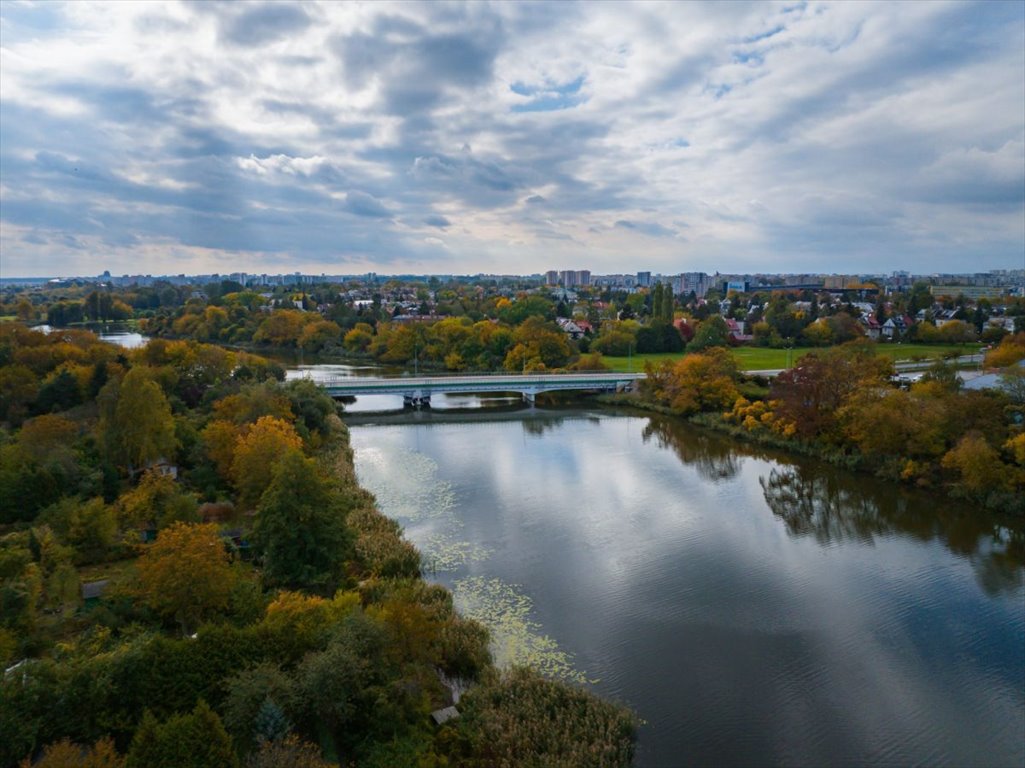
column 551, row 277
column 644, row 279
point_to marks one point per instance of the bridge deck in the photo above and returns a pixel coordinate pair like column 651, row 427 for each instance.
column 478, row 383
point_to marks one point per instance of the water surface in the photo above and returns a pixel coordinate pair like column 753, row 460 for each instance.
column 752, row 609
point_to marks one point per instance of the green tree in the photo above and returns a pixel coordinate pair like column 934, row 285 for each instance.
column 141, row 429
column 194, row 740
column 300, row 528
column 712, row 332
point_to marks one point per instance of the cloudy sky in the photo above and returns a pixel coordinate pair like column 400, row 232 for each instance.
column 511, row 138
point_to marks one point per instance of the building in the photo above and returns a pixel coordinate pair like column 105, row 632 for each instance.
column 972, row 292
column 551, row 277
column 571, row 278
column 686, row 282
column 644, row 279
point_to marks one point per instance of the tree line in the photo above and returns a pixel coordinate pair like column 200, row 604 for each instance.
column 844, row 404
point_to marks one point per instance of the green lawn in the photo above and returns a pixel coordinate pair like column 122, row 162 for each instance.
column 763, row 358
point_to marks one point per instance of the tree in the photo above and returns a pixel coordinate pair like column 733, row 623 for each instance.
column 185, row 574
column 248, row 692
column 142, row 428
column 59, row 393
column 537, row 345
column 699, row 382
column 157, row 499
column 65, row 754
column 93, row 529
column 712, row 332
column 1010, row 351
column 977, row 465
column 257, row 452
column 892, row 422
column 194, row 740
column 281, row 329
column 811, row 392
column 290, row 752
column 300, row 527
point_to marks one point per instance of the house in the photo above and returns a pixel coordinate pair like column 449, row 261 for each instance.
column 895, row 327
column 736, row 330
column 92, row 592
column 162, row 467
column 871, row 326
column 570, row 328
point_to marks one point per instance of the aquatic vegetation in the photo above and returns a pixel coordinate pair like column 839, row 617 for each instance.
column 516, row 638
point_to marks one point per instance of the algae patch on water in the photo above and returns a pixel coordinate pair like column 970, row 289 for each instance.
column 418, row 497
column 516, row 639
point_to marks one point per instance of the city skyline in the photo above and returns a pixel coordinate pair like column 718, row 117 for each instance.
column 416, row 139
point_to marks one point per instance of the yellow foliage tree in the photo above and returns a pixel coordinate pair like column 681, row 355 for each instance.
column 699, row 382
column 219, row 439
column 185, row 574
column 1010, row 351
column 65, row 754
column 977, row 464
column 256, row 453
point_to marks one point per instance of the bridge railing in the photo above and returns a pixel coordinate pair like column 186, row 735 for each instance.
column 597, row 377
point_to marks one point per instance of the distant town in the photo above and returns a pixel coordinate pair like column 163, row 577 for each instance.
column 971, row 285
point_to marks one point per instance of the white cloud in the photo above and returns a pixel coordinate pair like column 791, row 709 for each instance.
column 871, row 135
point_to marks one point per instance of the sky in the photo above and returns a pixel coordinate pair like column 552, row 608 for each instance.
column 511, row 138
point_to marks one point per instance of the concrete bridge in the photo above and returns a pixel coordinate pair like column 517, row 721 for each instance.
column 416, row 391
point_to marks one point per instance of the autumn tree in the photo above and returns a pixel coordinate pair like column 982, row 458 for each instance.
column 892, row 422
column 282, row 328
column 811, row 392
column 537, row 345
column 157, row 499
column 66, row 754
column 257, row 452
column 699, row 382
column 1010, row 351
column 185, row 575
column 977, row 465
column 289, row 752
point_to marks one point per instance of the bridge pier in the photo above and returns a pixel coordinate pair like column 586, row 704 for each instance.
column 416, row 400
column 529, row 396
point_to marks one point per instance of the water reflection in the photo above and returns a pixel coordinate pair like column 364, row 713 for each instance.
column 714, row 458
column 869, row 628
column 816, row 500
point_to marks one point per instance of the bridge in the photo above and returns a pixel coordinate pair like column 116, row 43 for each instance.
column 416, row 391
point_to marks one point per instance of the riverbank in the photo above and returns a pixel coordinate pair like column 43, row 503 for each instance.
column 888, row 469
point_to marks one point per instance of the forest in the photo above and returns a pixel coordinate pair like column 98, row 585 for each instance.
column 190, row 575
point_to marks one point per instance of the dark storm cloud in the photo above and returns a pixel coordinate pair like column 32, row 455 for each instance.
column 435, row 220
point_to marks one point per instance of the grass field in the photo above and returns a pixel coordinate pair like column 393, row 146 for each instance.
column 763, row 358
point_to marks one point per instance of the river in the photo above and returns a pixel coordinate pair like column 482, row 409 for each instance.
column 752, row 608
